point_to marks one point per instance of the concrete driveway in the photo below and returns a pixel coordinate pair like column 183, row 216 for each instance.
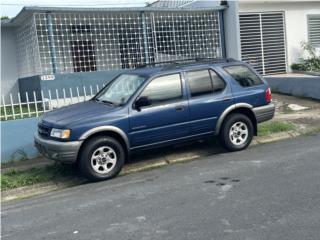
column 270, row 191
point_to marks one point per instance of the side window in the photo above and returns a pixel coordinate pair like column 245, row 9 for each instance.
column 217, row 83
column 199, row 82
column 243, row 75
column 163, row 89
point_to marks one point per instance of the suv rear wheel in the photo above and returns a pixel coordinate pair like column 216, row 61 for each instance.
column 102, row 158
column 236, row 132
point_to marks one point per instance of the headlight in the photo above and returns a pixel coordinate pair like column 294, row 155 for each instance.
column 60, row 133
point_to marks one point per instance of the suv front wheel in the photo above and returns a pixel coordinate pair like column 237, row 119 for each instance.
column 102, row 158
column 236, row 132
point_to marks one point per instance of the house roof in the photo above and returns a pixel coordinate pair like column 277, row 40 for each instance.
column 26, row 12
column 170, row 3
column 185, row 4
column 274, row 1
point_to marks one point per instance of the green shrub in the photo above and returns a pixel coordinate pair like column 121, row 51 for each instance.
column 311, row 63
column 298, row 67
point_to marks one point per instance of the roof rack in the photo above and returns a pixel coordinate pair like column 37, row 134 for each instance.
column 188, row 60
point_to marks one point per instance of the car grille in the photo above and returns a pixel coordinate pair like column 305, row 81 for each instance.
column 43, row 130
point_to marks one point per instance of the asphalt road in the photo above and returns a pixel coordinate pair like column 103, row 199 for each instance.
column 270, row 191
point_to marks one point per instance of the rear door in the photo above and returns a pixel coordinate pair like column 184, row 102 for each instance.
column 209, row 95
column 167, row 116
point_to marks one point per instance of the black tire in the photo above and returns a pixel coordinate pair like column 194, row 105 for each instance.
column 90, row 147
column 225, row 130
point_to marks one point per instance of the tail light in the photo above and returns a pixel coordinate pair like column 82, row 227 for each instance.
column 268, row 95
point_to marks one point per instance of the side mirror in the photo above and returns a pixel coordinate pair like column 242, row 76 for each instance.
column 142, row 102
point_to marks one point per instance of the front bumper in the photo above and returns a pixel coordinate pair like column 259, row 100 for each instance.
column 264, row 113
column 58, row 151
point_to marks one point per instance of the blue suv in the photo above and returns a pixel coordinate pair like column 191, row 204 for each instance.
column 155, row 106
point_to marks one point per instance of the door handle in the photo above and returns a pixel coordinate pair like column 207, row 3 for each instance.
column 226, row 99
column 179, row 108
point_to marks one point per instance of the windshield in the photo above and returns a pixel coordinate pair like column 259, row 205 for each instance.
column 120, row 89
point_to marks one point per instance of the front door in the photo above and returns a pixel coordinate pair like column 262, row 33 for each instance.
column 165, row 118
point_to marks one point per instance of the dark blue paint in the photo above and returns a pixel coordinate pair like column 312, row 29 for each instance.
column 155, row 125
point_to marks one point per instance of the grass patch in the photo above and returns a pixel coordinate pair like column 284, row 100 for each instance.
column 22, row 112
column 268, row 128
column 14, row 179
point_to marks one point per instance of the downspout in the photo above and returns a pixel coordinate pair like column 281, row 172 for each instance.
column 51, row 43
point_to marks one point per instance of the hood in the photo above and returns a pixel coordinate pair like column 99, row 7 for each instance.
column 76, row 112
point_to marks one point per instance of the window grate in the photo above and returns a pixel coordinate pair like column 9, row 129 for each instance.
column 85, row 42
column 314, row 29
column 27, row 50
column 263, row 41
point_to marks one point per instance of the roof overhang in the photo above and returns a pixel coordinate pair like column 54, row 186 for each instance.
column 275, row 1
column 27, row 12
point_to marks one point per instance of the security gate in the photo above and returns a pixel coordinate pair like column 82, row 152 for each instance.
column 263, row 41
column 67, row 42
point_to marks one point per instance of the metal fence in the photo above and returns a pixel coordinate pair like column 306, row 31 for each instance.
column 68, row 42
column 34, row 104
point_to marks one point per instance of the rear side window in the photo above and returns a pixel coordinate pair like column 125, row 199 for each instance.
column 243, row 75
column 199, row 82
column 217, row 83
column 163, row 89
column 204, row 82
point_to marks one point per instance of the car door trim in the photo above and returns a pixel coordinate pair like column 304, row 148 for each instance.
column 171, row 140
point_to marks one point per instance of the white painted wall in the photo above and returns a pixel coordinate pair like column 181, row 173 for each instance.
column 9, row 68
column 295, row 21
column 232, row 30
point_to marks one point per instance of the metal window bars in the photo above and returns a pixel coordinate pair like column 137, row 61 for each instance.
column 52, row 43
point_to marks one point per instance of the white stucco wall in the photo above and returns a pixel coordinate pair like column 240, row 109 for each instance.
column 295, row 21
column 9, row 69
column 232, row 30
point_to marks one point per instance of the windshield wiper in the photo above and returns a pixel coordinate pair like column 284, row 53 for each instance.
column 104, row 101
column 108, row 102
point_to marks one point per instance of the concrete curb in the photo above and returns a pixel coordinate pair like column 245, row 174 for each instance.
column 42, row 188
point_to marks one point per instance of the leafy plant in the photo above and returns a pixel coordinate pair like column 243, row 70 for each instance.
column 311, row 62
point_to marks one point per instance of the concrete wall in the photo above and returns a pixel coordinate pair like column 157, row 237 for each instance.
column 65, row 81
column 9, row 68
column 73, row 80
column 295, row 21
column 300, row 86
column 17, row 139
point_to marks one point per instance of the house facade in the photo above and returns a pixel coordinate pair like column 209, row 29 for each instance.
column 62, row 48
column 271, row 32
column 55, row 48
